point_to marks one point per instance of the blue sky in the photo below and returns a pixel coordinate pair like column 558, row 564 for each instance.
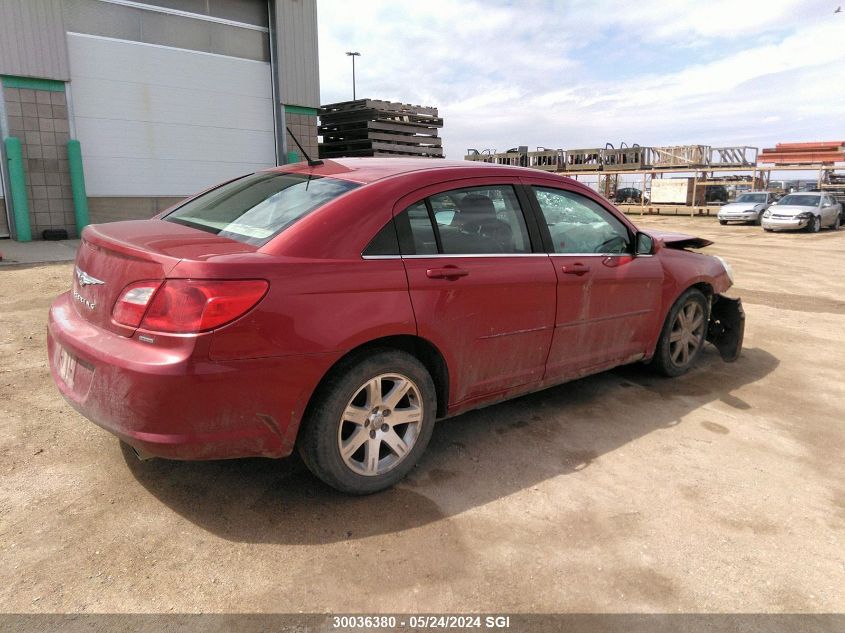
column 570, row 74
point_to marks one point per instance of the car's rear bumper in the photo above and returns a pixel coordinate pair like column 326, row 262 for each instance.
column 169, row 402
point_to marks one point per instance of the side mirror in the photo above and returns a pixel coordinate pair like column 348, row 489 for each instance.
column 645, row 244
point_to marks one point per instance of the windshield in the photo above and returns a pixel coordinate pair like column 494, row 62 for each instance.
column 754, row 198
column 256, row 208
column 800, row 200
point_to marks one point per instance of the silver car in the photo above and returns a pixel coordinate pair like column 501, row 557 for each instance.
column 805, row 210
column 748, row 207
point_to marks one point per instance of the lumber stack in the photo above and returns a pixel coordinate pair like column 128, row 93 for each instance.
column 370, row 127
column 804, row 153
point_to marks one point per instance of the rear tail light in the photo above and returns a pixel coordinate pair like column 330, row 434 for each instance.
column 130, row 307
column 187, row 305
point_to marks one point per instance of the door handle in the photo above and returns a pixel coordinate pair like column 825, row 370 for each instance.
column 575, row 269
column 447, row 272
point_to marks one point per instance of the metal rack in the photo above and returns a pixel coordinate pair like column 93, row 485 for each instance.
column 705, row 165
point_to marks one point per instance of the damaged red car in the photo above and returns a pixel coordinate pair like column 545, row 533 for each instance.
column 341, row 308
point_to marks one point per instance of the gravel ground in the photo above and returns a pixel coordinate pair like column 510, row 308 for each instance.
column 721, row 491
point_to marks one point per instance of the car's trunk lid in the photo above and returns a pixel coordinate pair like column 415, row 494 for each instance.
column 111, row 256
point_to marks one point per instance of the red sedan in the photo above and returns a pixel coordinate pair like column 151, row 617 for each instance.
column 341, row 308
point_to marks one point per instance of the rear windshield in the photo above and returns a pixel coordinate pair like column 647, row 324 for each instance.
column 256, row 208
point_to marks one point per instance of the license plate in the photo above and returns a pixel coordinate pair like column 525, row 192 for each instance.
column 67, row 367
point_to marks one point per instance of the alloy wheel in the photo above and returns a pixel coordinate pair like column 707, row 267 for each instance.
column 380, row 424
column 687, row 333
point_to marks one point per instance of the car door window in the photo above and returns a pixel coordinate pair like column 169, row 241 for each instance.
column 480, row 220
column 580, row 225
column 421, row 230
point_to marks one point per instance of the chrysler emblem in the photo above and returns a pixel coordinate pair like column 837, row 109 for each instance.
column 87, row 280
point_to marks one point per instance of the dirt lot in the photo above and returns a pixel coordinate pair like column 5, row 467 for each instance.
column 719, row 491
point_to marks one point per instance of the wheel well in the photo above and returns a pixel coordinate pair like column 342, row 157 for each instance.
column 705, row 288
column 419, row 348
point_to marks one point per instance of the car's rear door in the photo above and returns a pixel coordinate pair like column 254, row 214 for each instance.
column 608, row 299
column 481, row 289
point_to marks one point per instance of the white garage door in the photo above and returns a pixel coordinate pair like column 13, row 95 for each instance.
column 160, row 121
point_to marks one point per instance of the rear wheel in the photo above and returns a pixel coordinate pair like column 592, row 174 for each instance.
column 370, row 422
column 836, row 223
column 683, row 334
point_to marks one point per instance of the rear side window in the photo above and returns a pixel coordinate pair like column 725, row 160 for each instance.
column 473, row 221
column 425, row 242
column 386, row 242
column 256, row 208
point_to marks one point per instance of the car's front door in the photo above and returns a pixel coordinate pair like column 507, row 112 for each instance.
column 481, row 290
column 608, row 299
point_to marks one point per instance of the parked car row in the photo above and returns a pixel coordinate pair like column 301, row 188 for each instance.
column 810, row 211
column 632, row 195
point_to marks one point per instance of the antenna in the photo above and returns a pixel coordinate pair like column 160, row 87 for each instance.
column 311, row 163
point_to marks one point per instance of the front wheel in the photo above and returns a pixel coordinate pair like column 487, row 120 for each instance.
column 683, row 334
column 814, row 225
column 723, row 222
column 370, row 422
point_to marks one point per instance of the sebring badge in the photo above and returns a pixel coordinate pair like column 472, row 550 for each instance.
column 87, row 280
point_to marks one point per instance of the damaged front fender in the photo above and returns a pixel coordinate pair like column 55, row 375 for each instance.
column 727, row 327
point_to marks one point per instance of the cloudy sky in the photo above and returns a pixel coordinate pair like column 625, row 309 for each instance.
column 561, row 73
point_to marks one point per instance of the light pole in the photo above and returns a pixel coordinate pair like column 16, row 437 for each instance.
column 353, row 55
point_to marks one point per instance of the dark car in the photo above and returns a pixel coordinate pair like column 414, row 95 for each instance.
column 628, row 195
column 715, row 193
column 342, row 308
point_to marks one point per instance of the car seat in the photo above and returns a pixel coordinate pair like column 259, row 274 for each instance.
column 477, row 216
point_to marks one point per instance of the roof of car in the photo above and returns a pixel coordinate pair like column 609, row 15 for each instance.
column 366, row 170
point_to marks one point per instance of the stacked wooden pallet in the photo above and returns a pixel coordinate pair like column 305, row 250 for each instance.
column 804, row 153
column 370, row 127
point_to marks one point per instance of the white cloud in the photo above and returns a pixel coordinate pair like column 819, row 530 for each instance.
column 582, row 73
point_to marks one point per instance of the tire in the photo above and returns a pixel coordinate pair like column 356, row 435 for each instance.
column 723, row 222
column 767, row 230
column 675, row 357
column 759, row 219
column 815, row 225
column 836, row 224
column 355, row 408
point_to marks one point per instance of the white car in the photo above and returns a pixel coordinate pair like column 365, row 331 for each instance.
column 748, row 207
column 805, row 210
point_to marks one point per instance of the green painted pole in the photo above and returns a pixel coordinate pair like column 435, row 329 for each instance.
column 77, row 183
column 17, row 185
